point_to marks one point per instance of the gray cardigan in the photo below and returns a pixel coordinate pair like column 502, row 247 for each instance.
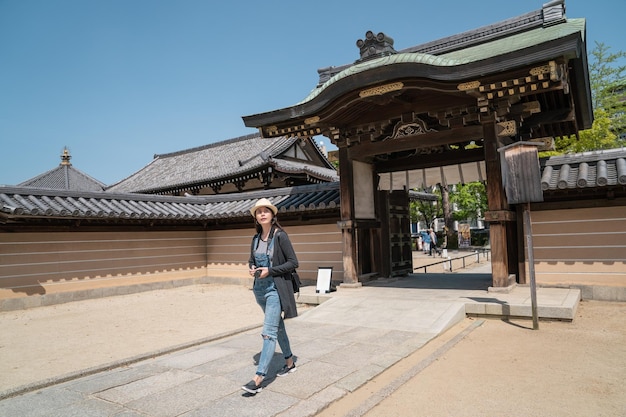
column 284, row 262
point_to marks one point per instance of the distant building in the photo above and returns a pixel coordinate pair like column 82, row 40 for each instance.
column 64, row 177
column 246, row 163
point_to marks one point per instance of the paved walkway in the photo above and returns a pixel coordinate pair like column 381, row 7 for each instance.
column 352, row 336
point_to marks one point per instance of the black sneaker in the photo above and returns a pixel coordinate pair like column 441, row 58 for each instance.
column 286, row 370
column 252, row 388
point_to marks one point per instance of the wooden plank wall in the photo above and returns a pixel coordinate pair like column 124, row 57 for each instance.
column 315, row 245
column 44, row 263
column 582, row 246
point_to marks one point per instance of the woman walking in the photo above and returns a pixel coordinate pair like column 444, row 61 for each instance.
column 272, row 260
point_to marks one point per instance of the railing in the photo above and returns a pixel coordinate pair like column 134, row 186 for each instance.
column 483, row 251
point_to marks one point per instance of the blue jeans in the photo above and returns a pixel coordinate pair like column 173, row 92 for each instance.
column 273, row 325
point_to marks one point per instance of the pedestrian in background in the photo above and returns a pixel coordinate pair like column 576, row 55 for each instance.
column 272, row 260
column 426, row 241
column 433, row 242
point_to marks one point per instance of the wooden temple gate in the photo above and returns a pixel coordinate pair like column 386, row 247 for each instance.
column 447, row 104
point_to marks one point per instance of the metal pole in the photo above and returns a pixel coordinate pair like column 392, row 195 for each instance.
column 531, row 265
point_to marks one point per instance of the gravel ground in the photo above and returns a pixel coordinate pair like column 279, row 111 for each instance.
column 504, row 368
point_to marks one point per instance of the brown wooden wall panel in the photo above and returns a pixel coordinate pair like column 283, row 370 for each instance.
column 31, row 261
column 81, row 269
column 583, row 267
column 612, row 279
column 53, row 255
column 594, row 254
column 584, row 246
column 586, row 215
column 315, row 246
column 578, row 228
column 579, row 221
column 578, row 240
column 39, row 263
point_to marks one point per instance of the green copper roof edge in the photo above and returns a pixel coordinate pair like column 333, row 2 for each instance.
column 496, row 47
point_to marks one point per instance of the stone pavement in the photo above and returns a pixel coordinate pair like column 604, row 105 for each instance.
column 353, row 335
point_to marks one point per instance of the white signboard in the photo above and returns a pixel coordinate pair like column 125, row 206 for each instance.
column 324, row 274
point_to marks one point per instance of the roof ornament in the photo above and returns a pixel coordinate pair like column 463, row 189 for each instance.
column 375, row 46
column 65, row 157
column 553, row 12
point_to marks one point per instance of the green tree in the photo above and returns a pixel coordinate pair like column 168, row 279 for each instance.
column 608, row 90
column 426, row 211
column 470, row 201
column 600, row 136
column 605, row 73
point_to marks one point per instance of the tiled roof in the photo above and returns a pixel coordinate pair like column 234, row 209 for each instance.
column 212, row 162
column 471, row 54
column 64, row 177
column 530, row 39
column 550, row 16
column 584, row 170
column 482, row 43
column 16, row 203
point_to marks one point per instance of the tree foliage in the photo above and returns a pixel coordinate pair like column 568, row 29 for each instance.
column 426, row 211
column 470, row 200
column 605, row 74
column 608, row 89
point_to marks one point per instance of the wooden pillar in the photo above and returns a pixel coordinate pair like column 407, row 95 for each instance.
column 498, row 214
column 347, row 223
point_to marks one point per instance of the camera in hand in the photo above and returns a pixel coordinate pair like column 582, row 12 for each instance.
column 257, row 273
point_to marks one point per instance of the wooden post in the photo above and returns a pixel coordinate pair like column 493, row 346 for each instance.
column 521, row 256
column 531, row 266
column 498, row 207
column 347, row 223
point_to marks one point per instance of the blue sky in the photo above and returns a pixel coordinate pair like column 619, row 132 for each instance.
column 117, row 81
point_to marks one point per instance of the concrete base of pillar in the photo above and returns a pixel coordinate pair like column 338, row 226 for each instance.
column 344, row 285
column 505, row 290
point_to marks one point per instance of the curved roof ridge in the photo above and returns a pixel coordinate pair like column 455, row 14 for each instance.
column 329, row 174
column 400, row 58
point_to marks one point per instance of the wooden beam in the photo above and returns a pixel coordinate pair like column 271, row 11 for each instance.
column 409, row 142
column 500, row 216
column 431, row 161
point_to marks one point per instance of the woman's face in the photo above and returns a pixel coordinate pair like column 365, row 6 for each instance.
column 264, row 215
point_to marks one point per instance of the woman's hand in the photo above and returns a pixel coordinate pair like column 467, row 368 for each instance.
column 263, row 271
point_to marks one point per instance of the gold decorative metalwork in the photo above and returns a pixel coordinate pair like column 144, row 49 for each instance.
column 507, row 128
column 470, row 85
column 545, row 143
column 554, row 71
column 544, row 69
column 417, row 127
column 311, row 120
column 381, row 89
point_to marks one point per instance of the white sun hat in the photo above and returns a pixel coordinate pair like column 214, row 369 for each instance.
column 264, row 202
